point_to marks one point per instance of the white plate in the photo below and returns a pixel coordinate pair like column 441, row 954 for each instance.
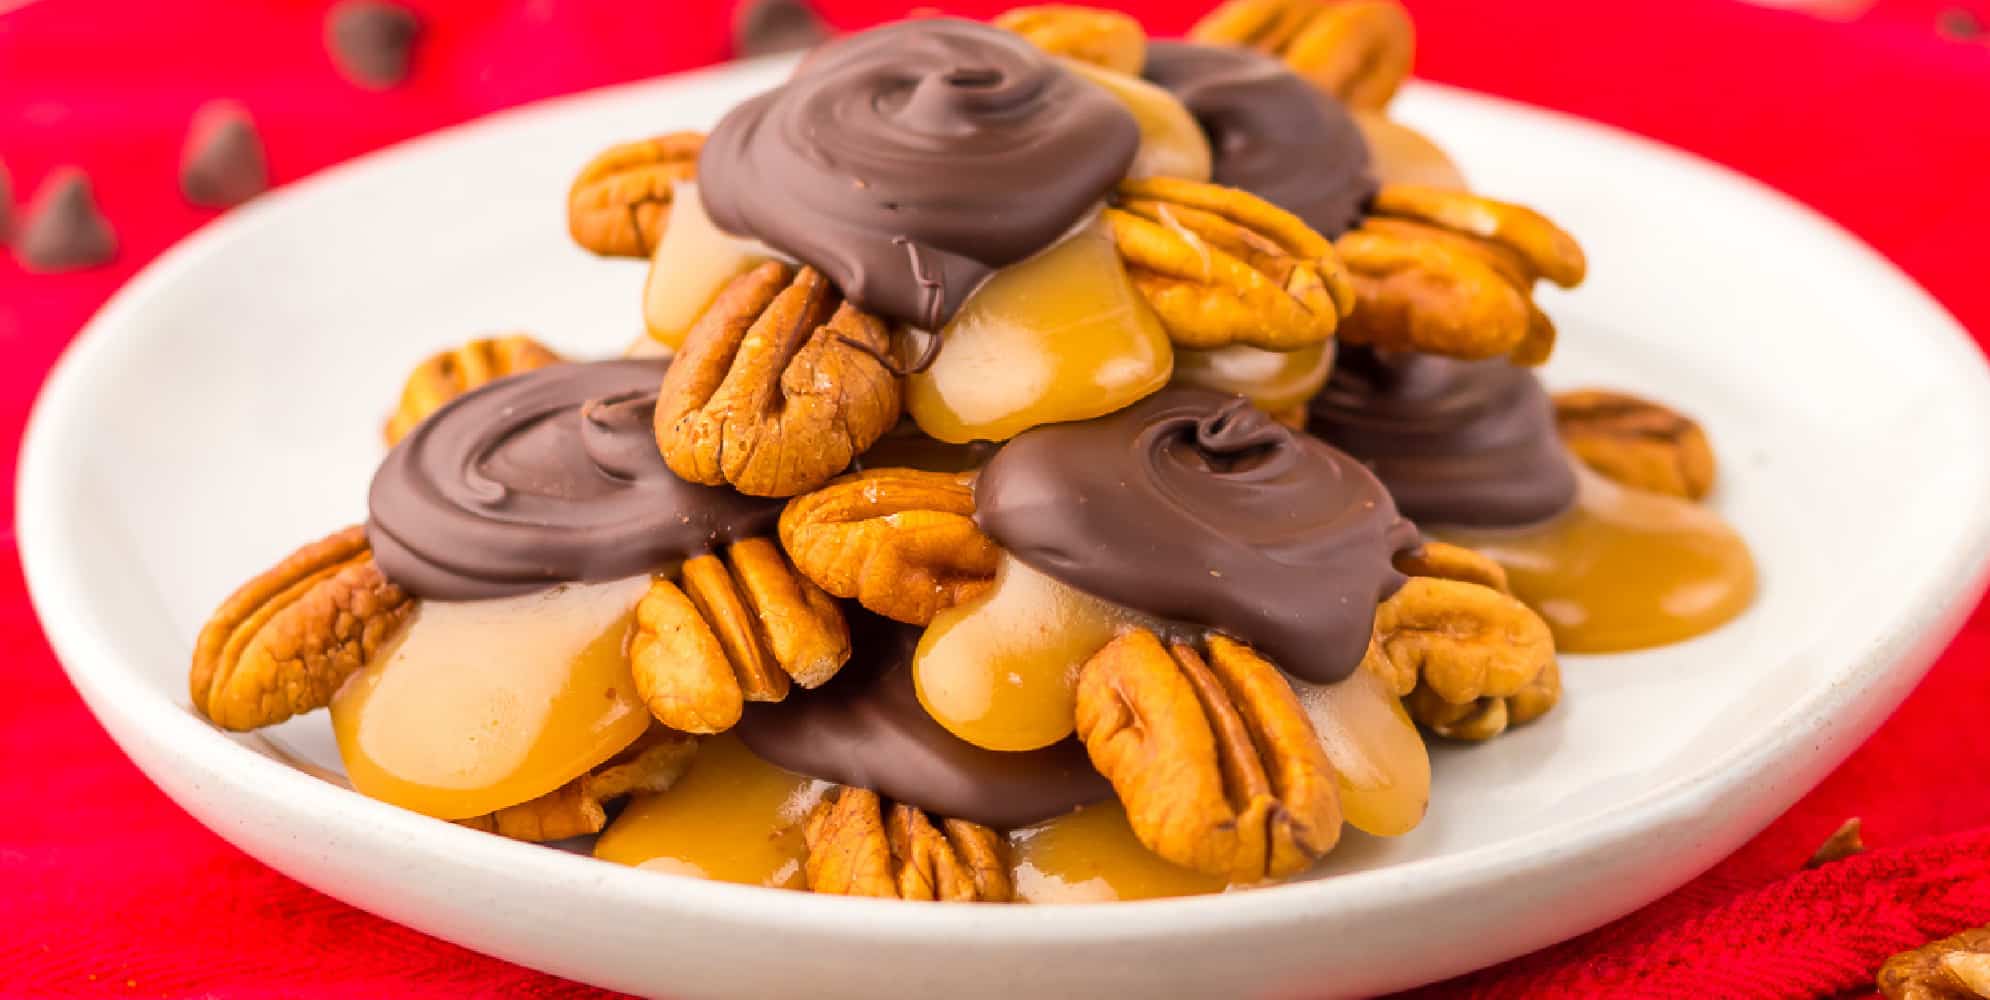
column 225, row 407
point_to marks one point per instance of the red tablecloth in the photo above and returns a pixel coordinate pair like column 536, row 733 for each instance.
column 1880, row 121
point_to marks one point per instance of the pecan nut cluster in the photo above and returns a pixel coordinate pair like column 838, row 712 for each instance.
column 808, row 538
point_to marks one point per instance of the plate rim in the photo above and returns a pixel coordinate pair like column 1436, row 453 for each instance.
column 1882, row 677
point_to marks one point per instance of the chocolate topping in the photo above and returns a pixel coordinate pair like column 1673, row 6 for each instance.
column 866, row 728
column 542, row 478
column 910, row 161
column 1459, row 443
column 1196, row 507
column 767, row 27
column 1271, row 133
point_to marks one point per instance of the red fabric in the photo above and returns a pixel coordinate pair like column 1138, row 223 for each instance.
column 107, row 888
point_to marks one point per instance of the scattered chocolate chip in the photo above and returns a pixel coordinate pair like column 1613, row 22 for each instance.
column 223, row 164
column 1839, row 846
column 766, row 27
column 372, row 42
column 1959, row 22
column 6, row 206
column 64, row 230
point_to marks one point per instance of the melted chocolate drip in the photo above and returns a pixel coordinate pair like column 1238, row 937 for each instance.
column 1459, row 443
column 911, row 161
column 1196, row 507
column 552, row 476
column 866, row 728
column 1271, row 133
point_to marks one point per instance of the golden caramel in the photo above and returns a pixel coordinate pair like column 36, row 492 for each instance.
column 485, row 704
column 1001, row 670
column 1624, row 569
column 1379, row 758
column 1171, row 143
column 1061, row 336
column 1402, row 155
column 1273, row 381
column 732, row 817
column 1090, row 856
column 692, row 262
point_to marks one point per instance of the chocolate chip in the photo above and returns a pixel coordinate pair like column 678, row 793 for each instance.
column 765, row 27
column 6, row 206
column 372, row 42
column 63, row 230
column 223, row 164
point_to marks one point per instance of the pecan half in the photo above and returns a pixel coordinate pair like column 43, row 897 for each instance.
column 652, row 764
column 282, row 643
column 1216, row 762
column 1359, row 51
column 859, row 846
column 1104, row 38
column 1453, row 562
column 620, row 201
column 1222, row 266
column 1448, row 272
column 1636, row 442
column 1953, row 968
column 779, row 385
column 901, row 542
column 1469, row 659
column 449, row 374
column 735, row 630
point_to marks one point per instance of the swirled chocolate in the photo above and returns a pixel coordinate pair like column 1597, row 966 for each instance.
column 1459, row 443
column 909, row 162
column 548, row 477
column 1270, row 132
column 866, row 728
column 1196, row 507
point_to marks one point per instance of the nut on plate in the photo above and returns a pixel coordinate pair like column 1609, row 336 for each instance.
column 1217, row 764
column 1359, row 51
column 901, row 542
column 652, row 764
column 1449, row 272
column 779, row 385
column 860, row 846
column 1104, row 38
column 737, row 629
column 282, row 643
column 1636, row 442
column 449, row 374
column 1468, row 659
column 1222, row 266
column 1953, row 968
column 619, row 203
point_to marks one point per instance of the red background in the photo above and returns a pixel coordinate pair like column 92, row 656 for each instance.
column 107, row 888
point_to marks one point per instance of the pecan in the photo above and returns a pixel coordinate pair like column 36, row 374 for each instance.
column 1953, row 968
column 1843, row 843
column 1216, row 762
column 1359, row 51
column 736, row 630
column 1453, row 562
column 1468, row 659
column 1221, row 266
column 282, row 643
column 1103, row 38
column 1447, row 272
column 779, row 385
column 620, row 202
column 450, row 374
column 859, row 846
column 1636, row 442
column 901, row 542
column 652, row 764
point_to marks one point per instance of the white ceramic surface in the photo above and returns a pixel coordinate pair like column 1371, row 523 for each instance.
column 226, row 406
